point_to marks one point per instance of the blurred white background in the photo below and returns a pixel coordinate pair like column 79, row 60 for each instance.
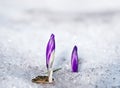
column 92, row 25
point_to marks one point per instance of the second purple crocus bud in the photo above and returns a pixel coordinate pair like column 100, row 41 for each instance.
column 74, row 60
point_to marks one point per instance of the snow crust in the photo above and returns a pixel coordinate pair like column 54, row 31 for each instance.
column 25, row 28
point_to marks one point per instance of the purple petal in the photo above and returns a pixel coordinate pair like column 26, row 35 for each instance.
column 74, row 60
column 50, row 48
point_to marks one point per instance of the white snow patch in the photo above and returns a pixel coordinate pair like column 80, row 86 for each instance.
column 26, row 28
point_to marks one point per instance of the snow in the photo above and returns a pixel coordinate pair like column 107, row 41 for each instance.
column 25, row 28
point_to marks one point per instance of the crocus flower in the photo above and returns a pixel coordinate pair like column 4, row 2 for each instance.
column 74, row 60
column 50, row 50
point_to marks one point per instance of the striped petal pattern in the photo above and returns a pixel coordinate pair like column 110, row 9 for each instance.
column 74, row 60
column 50, row 50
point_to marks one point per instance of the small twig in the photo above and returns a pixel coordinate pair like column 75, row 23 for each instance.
column 54, row 70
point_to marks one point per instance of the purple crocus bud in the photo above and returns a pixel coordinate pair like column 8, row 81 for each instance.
column 74, row 60
column 50, row 50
